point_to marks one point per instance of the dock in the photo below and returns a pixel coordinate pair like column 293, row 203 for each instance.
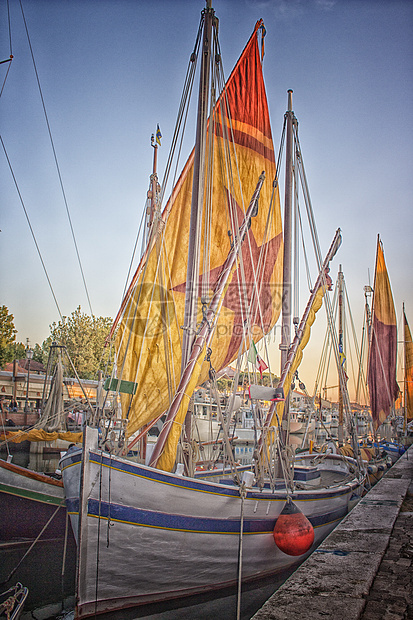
column 364, row 568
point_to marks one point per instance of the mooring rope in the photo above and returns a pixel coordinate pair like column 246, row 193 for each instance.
column 33, row 544
column 243, row 493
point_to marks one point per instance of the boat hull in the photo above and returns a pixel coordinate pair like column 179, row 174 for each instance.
column 28, row 500
column 147, row 536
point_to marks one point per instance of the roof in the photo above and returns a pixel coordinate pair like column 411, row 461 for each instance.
column 226, row 372
column 22, row 366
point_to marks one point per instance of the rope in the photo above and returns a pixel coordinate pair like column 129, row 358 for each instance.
column 33, row 544
column 243, row 494
column 98, row 536
column 212, row 377
column 56, row 161
column 31, row 229
column 62, row 574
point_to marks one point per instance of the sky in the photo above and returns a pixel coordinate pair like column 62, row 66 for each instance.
column 111, row 70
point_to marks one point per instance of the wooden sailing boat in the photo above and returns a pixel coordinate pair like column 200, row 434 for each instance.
column 148, row 534
column 32, row 502
column 382, row 358
column 382, row 382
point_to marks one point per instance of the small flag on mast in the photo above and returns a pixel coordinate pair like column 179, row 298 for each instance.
column 158, row 135
column 341, row 355
column 256, row 360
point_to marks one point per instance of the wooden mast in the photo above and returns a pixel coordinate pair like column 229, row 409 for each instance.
column 198, row 184
column 286, row 296
column 340, row 341
column 405, row 373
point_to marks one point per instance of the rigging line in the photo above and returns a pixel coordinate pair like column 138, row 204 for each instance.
column 353, row 330
column 56, row 161
column 296, row 256
column 160, row 222
column 31, row 229
column 182, row 114
column 335, row 349
column 133, row 254
column 5, row 78
column 228, row 173
column 361, row 379
column 307, row 199
column 233, row 217
column 9, row 26
column 307, row 266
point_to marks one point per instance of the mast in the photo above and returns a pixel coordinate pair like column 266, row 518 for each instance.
column 152, row 196
column 192, row 276
column 405, row 373
column 286, row 296
column 340, row 341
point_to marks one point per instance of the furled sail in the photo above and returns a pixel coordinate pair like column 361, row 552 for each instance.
column 315, row 307
column 149, row 336
column 382, row 383
column 302, row 336
column 408, row 370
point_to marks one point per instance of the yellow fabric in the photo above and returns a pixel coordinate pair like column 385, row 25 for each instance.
column 383, row 298
column 366, row 454
column 315, row 307
column 167, row 459
column 149, row 337
column 36, row 434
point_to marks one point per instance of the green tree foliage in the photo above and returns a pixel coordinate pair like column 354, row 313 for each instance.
column 19, row 351
column 7, row 336
column 38, row 354
column 84, row 337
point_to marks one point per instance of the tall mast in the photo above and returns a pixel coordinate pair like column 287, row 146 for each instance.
column 286, row 296
column 192, row 276
column 151, row 204
column 340, row 341
column 404, row 373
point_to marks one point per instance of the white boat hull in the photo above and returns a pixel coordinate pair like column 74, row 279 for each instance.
column 148, row 536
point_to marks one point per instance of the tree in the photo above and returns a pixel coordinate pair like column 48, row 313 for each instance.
column 38, row 354
column 7, row 335
column 84, row 337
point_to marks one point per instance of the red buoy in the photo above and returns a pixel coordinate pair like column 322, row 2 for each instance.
column 293, row 532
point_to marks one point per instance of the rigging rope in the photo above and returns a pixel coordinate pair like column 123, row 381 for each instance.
column 31, row 229
column 56, row 161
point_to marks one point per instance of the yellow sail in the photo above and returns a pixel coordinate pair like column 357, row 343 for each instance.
column 39, row 434
column 150, row 333
column 167, row 459
column 382, row 383
column 315, row 307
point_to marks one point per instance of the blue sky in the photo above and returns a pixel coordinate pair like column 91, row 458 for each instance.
column 111, row 70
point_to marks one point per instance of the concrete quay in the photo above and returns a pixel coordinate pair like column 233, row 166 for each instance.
column 364, row 569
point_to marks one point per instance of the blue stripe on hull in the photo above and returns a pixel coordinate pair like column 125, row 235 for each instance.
column 184, row 523
column 134, row 469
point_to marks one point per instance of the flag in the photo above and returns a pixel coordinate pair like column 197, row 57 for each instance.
column 256, row 360
column 341, row 355
column 158, row 135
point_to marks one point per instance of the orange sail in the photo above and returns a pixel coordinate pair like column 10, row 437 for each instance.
column 149, row 337
column 408, row 370
column 382, row 383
